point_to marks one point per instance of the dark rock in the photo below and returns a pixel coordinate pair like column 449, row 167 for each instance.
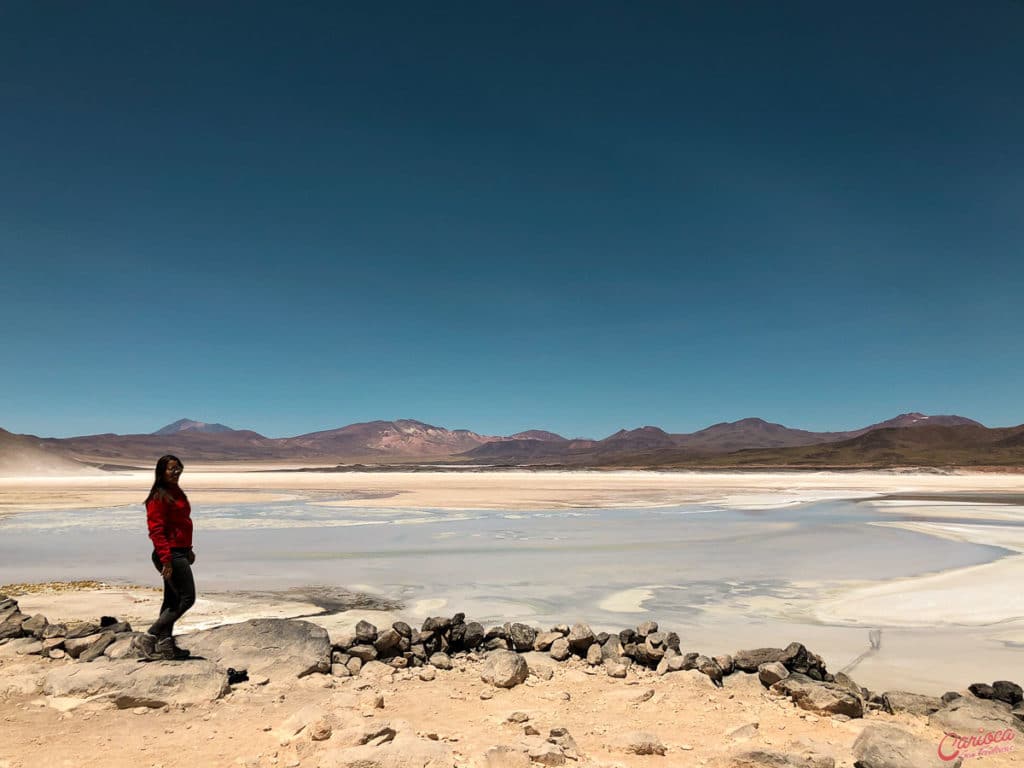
column 982, row 690
column 458, row 618
column 845, row 681
column 581, row 637
column 750, row 660
column 35, row 626
column 495, row 644
column 81, row 629
column 98, row 646
column 627, row 636
column 473, row 636
column 602, row 638
column 437, row 624
column 440, row 660
column 672, row 641
column 560, row 649
column 949, row 696
column 366, row 633
column 387, row 643
column 545, row 639
column 107, row 621
column 690, row 660
column 612, row 648
column 710, row 668
column 522, row 636
column 724, row 661
column 657, row 639
column 914, row 703
column 1004, row 690
column 55, row 630
column 364, row 653
column 403, row 629
column 11, row 618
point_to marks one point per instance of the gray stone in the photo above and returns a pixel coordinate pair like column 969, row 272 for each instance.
column 277, row 648
column 646, row 628
column 771, row 673
column 98, row 646
column 886, row 746
column 387, row 643
column 967, row 715
column 914, row 703
column 594, row 655
column 81, row 628
column 75, row 646
column 1004, row 690
column 35, row 626
column 504, row 669
column 724, row 662
column 821, row 698
column 560, row 650
column 545, row 639
column 11, row 618
column 440, row 660
column 55, row 630
column 612, row 648
column 354, row 665
column 615, row 668
column 581, row 637
column 750, row 660
column 130, row 684
column 363, row 652
column 366, row 633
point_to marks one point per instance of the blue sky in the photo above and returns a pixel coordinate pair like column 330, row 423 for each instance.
column 574, row 216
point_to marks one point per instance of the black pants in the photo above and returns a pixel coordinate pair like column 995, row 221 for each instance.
column 179, row 593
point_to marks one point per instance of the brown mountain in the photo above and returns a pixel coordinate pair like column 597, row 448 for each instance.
column 537, row 434
column 402, row 439
column 188, row 425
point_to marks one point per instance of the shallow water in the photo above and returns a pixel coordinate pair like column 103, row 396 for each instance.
column 715, row 575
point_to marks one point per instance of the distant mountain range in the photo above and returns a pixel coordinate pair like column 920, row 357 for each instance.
column 907, row 439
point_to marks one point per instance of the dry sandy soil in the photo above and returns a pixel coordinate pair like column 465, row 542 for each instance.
column 254, row 724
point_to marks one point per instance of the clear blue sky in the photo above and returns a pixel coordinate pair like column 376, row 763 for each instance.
column 578, row 216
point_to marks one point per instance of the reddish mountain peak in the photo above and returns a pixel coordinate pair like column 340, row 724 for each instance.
column 916, row 419
column 537, row 434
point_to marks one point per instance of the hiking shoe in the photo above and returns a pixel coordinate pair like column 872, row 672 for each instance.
column 145, row 645
column 167, row 649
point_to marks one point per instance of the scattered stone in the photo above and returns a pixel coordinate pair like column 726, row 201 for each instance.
column 377, row 671
column 35, row 626
column 387, row 642
column 97, row 647
column 440, row 660
column 517, row 717
column 366, row 633
column 546, row 753
column 725, row 663
column 887, row 746
column 11, row 618
column 640, row 743
column 529, row 730
column 949, row 696
column 427, row 674
column 354, row 665
column 363, row 652
column 320, row 730
column 504, row 669
column 594, row 655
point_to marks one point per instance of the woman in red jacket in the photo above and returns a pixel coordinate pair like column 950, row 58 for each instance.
column 168, row 514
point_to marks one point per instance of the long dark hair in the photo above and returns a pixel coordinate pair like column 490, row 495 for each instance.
column 160, row 489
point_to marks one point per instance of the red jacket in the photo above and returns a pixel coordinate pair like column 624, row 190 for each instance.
column 170, row 525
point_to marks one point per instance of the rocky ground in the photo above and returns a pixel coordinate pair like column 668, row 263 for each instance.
column 453, row 693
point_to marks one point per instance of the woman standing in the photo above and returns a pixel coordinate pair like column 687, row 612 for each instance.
column 168, row 514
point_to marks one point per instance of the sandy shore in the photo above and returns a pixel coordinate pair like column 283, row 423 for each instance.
column 498, row 490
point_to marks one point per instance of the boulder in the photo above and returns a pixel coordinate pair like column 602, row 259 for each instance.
column 377, row 671
column 76, row 645
column 473, row 635
column 277, row 648
column 913, row 703
column 886, row 746
column 503, row 756
column 769, row 674
column 363, row 652
column 581, row 637
column 366, row 633
column 560, row 649
column 594, row 655
column 35, row 626
column 440, row 660
column 98, row 646
column 387, row 643
column 1004, row 690
column 55, row 630
column 725, row 663
column 968, row 716
column 11, row 618
column 982, row 690
column 81, row 628
column 750, row 660
column 404, row 751
column 130, row 684
column 821, row 698
column 504, row 669
column 545, row 639
column 521, row 636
